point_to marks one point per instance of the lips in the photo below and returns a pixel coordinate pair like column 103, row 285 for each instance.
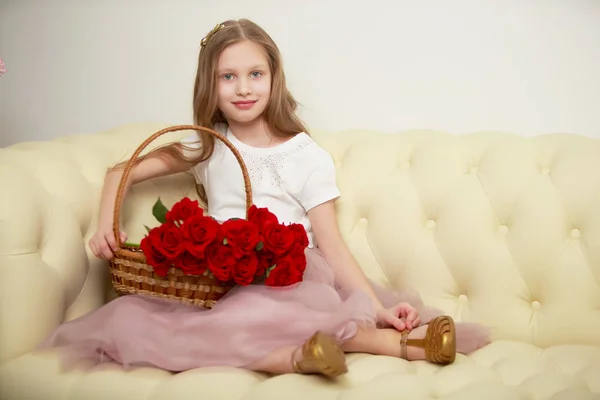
column 244, row 104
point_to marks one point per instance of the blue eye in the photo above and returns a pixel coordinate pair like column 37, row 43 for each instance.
column 256, row 74
column 228, row 77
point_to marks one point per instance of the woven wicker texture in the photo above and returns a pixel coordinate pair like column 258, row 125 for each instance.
column 130, row 273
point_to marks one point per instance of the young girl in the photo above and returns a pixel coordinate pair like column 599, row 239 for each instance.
column 240, row 90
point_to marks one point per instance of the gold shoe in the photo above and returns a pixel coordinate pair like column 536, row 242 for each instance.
column 321, row 354
column 439, row 341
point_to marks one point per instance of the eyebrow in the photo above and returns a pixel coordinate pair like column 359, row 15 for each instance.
column 254, row 67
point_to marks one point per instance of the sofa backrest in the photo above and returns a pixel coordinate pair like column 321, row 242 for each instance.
column 490, row 227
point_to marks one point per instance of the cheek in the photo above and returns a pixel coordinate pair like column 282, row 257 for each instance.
column 264, row 92
column 264, row 87
column 223, row 91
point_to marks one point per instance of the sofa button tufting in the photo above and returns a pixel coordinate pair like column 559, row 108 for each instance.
column 536, row 305
column 405, row 164
column 503, row 229
column 545, row 170
column 462, row 297
column 473, row 170
column 430, row 224
column 575, row 233
column 362, row 221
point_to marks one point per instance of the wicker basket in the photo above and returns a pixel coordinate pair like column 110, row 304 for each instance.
column 130, row 274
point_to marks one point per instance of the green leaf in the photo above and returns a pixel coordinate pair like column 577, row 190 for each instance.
column 225, row 241
column 148, row 229
column 271, row 268
column 159, row 211
column 260, row 246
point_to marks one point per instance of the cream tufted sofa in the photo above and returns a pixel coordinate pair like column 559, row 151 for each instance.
column 490, row 227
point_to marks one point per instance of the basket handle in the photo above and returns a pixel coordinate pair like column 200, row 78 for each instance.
column 129, row 166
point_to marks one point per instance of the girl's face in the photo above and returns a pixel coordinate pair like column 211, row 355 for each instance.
column 243, row 82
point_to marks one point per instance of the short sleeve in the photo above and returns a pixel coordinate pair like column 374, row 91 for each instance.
column 192, row 147
column 321, row 185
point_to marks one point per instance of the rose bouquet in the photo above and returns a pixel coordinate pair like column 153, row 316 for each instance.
column 242, row 251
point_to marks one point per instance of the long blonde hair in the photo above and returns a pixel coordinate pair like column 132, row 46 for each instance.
column 279, row 113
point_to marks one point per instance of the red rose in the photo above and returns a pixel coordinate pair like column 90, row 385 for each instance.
column 200, row 231
column 183, row 209
column 285, row 273
column 241, row 235
column 244, row 270
column 157, row 260
column 300, row 235
column 190, row 264
column 221, row 260
column 299, row 260
column 278, row 238
column 168, row 239
column 261, row 216
column 266, row 259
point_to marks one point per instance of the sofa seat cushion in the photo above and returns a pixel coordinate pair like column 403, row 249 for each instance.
column 504, row 370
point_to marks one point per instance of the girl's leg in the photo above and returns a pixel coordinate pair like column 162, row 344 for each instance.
column 374, row 341
column 434, row 342
column 278, row 362
column 385, row 342
column 319, row 354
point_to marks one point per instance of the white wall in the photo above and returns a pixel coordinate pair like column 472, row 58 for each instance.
column 524, row 66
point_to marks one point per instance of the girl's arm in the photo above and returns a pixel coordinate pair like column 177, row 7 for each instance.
column 348, row 273
column 148, row 168
column 102, row 243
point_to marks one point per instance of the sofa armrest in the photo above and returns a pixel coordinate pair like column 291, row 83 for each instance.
column 49, row 199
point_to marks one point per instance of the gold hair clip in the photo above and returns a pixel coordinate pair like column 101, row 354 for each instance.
column 216, row 29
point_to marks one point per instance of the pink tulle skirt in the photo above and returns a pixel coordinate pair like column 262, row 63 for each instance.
column 245, row 325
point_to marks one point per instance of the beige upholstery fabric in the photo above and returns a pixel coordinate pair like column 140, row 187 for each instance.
column 490, row 227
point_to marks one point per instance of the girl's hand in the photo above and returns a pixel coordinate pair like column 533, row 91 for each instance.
column 103, row 243
column 402, row 316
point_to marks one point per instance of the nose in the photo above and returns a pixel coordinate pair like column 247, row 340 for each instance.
column 243, row 87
